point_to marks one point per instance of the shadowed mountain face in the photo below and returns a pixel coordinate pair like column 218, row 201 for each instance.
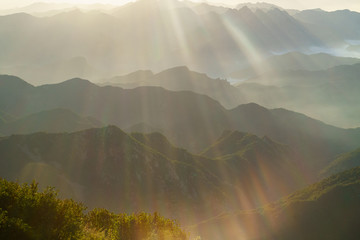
column 180, row 115
column 5, row 118
column 189, row 120
column 311, row 213
column 173, row 112
column 57, row 120
column 107, row 167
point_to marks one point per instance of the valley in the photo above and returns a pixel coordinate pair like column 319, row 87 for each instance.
column 179, row 120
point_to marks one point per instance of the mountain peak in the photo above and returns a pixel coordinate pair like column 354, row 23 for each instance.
column 111, row 133
column 178, row 69
column 77, row 82
column 258, row 6
column 245, row 10
column 161, row 3
column 251, row 106
column 13, row 81
column 231, row 142
column 19, row 16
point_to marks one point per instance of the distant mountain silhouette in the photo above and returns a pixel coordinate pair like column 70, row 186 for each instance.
column 310, row 213
column 259, row 5
column 204, row 8
column 131, row 80
column 180, row 79
column 98, row 38
column 333, row 93
column 294, row 61
column 330, row 25
column 281, row 81
column 54, row 72
column 47, row 9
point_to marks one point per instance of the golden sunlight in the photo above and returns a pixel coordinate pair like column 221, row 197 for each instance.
column 113, row 2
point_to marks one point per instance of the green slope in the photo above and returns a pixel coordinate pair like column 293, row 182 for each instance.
column 328, row 209
column 257, row 165
column 343, row 162
column 107, row 167
column 252, row 168
column 233, row 143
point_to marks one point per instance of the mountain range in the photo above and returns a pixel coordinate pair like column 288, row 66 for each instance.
column 330, row 25
column 328, row 82
column 218, row 42
column 182, row 79
column 189, row 120
column 107, row 167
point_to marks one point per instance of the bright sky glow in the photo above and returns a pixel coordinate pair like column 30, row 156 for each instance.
column 328, row 5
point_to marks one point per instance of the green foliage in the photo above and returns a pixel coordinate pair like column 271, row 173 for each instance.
column 317, row 190
column 12, row 227
column 100, row 219
column 135, row 226
column 146, row 226
column 41, row 215
column 26, row 213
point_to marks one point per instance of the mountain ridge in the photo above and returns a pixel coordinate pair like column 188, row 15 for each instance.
column 181, row 117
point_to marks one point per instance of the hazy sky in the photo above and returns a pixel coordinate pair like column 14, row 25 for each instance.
column 296, row 4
